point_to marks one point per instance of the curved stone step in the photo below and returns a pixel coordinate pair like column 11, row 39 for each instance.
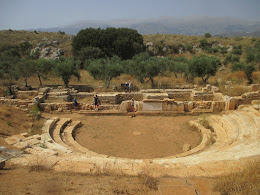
column 58, row 130
column 67, row 135
column 75, row 146
column 47, row 136
column 247, row 125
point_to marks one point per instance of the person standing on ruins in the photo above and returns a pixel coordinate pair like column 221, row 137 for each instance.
column 75, row 103
column 129, row 86
column 126, row 86
column 96, row 102
column 133, row 107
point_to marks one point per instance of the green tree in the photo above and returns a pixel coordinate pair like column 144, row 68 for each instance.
column 223, row 50
column 207, row 35
column 153, row 66
column 237, row 50
column 248, row 69
column 88, row 53
column 203, row 66
column 204, row 44
column 26, row 68
column 177, row 65
column 121, row 42
column 189, row 48
column 42, row 68
column 25, row 48
column 8, row 73
column 106, row 69
column 253, row 54
column 231, row 59
column 137, row 66
column 66, row 68
column 144, row 66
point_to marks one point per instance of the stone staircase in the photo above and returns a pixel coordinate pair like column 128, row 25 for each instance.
column 235, row 137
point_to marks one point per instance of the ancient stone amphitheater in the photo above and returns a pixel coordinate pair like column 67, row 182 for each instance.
column 232, row 139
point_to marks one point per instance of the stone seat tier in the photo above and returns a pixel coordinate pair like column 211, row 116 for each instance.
column 70, row 142
column 47, row 136
column 237, row 137
column 58, row 130
column 247, row 124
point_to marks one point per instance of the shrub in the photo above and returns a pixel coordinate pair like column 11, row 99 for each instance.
column 35, row 112
column 207, row 35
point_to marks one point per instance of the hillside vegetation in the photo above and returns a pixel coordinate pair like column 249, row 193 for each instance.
column 169, row 59
column 12, row 38
column 175, row 44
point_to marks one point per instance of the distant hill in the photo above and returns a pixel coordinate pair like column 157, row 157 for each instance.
column 169, row 25
column 52, row 45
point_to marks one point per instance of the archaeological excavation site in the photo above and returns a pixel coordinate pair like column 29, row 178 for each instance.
column 181, row 132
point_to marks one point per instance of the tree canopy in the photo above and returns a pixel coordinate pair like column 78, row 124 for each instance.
column 66, row 68
column 97, row 43
column 204, row 67
column 105, row 69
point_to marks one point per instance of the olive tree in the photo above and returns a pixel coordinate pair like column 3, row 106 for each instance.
column 203, row 67
column 105, row 69
column 42, row 68
column 26, row 68
column 66, row 68
column 248, row 69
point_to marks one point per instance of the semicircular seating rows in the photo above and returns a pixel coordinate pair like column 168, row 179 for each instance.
column 235, row 135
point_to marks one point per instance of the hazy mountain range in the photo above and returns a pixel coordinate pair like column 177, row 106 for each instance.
column 168, row 25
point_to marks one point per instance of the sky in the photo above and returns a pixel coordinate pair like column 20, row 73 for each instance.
column 32, row 14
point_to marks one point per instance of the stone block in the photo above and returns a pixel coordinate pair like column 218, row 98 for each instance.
column 152, row 106
column 47, row 109
column 186, row 147
column 21, row 145
column 155, row 96
column 124, row 105
column 255, row 102
column 14, row 139
column 254, row 87
column 188, row 106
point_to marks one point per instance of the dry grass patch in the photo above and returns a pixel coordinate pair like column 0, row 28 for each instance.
column 245, row 182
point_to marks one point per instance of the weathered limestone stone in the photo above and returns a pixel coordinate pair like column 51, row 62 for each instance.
column 248, row 97
column 188, row 106
column 254, row 87
column 186, row 147
column 208, row 87
column 152, row 105
column 255, row 102
column 14, row 139
column 179, row 94
column 218, row 106
column 2, row 163
column 214, row 89
column 155, row 96
column 234, row 102
column 202, row 96
column 47, row 109
column 21, row 145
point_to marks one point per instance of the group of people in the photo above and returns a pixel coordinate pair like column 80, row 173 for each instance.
column 128, row 86
column 96, row 102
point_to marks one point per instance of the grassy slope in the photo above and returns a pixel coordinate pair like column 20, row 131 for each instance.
column 16, row 37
